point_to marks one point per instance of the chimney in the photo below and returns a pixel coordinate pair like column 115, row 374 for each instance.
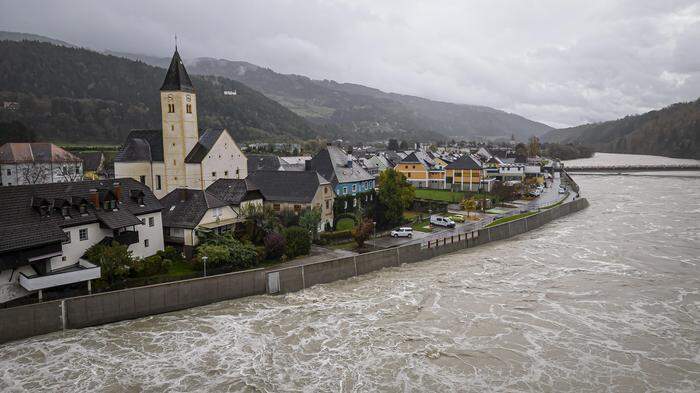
column 349, row 163
column 94, row 198
column 118, row 191
column 183, row 194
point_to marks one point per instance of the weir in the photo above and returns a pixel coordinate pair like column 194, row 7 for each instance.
column 77, row 312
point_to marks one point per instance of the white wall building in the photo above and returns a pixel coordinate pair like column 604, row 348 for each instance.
column 37, row 163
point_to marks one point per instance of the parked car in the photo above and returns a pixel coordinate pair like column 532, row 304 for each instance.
column 402, row 232
column 458, row 218
column 442, row 221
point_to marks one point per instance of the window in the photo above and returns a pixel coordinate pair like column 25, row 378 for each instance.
column 297, row 208
column 142, row 179
column 189, row 108
column 225, row 173
column 325, row 190
column 83, row 234
column 171, row 108
column 64, row 259
column 172, row 128
column 414, row 167
column 409, row 174
column 83, row 208
column 9, row 172
column 354, row 202
column 276, row 207
column 67, row 238
column 151, row 221
column 145, row 242
column 345, row 190
column 213, row 174
column 328, row 204
column 354, row 187
column 158, row 182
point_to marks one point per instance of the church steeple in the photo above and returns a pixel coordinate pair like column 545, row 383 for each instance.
column 177, row 79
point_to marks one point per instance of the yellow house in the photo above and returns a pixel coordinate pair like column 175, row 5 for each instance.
column 465, row 174
column 422, row 171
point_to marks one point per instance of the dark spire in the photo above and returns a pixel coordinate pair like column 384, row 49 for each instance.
column 177, row 79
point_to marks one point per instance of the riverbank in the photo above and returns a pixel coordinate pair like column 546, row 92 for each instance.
column 31, row 320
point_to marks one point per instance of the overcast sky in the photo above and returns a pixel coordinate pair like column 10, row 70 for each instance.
column 560, row 62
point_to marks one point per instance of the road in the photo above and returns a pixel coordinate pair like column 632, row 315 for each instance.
column 549, row 196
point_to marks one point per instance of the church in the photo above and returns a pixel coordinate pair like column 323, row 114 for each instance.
column 177, row 155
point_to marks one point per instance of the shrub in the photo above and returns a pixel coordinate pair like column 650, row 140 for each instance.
column 337, row 235
column 275, row 245
column 217, row 254
column 298, row 241
column 114, row 260
column 151, row 266
column 362, row 232
column 261, row 253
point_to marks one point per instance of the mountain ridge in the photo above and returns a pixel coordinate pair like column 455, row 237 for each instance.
column 673, row 131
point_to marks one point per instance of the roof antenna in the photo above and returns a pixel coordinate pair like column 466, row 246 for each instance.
column 175, row 42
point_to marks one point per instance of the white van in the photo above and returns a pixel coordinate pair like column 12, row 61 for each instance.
column 402, row 232
column 442, row 221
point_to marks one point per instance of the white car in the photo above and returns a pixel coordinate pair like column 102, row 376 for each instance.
column 402, row 232
column 442, row 221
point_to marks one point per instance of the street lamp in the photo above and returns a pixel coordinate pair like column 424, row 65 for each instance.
column 204, row 260
column 374, row 234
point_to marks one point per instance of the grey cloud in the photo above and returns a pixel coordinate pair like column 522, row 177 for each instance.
column 563, row 63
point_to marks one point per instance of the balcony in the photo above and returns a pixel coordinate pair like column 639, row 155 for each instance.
column 126, row 237
column 80, row 272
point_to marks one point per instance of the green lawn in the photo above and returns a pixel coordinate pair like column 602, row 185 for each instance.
column 345, row 224
column 421, row 226
column 439, row 195
column 180, row 268
column 351, row 245
column 511, row 218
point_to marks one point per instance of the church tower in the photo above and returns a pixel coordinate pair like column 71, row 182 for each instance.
column 178, row 104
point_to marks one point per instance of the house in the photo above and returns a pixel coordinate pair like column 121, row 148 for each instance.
column 465, row 174
column 37, row 163
column 93, row 164
column 187, row 213
column 263, row 162
column 46, row 228
column 295, row 191
column 237, row 193
column 177, row 155
column 380, row 162
column 422, row 171
column 340, row 169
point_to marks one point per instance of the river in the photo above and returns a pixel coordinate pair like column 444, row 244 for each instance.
column 607, row 299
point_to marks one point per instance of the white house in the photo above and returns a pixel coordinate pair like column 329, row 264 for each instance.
column 45, row 230
column 37, row 163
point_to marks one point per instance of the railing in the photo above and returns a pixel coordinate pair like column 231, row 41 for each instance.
column 450, row 239
column 81, row 271
column 127, row 237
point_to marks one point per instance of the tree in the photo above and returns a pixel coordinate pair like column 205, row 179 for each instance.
column 469, row 205
column 275, row 245
column 298, row 241
column 534, row 146
column 393, row 145
column 227, row 250
column 114, row 260
column 260, row 220
column 404, row 145
column 395, row 195
column 309, row 220
column 362, row 232
column 521, row 152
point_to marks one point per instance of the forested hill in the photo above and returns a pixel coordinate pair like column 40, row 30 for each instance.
column 363, row 112
column 76, row 95
column 673, row 132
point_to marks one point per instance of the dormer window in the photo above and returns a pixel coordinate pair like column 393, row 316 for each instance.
column 83, row 208
column 65, row 212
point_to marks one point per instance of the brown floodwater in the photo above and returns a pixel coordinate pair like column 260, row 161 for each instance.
column 607, row 299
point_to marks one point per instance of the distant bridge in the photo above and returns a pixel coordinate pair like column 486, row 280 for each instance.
column 633, row 168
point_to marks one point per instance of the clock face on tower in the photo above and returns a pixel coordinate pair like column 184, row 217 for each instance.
column 170, row 97
column 189, row 98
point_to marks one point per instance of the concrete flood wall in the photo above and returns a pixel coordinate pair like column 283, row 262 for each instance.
column 31, row 320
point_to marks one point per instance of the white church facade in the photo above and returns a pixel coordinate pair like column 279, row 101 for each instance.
column 178, row 155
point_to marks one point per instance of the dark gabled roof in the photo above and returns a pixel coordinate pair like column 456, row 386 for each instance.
column 418, row 157
column 184, row 208
column 22, row 226
column 263, row 162
column 177, row 79
column 235, row 191
column 205, row 143
column 332, row 163
column 92, row 160
column 288, row 186
column 142, row 145
column 464, row 162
